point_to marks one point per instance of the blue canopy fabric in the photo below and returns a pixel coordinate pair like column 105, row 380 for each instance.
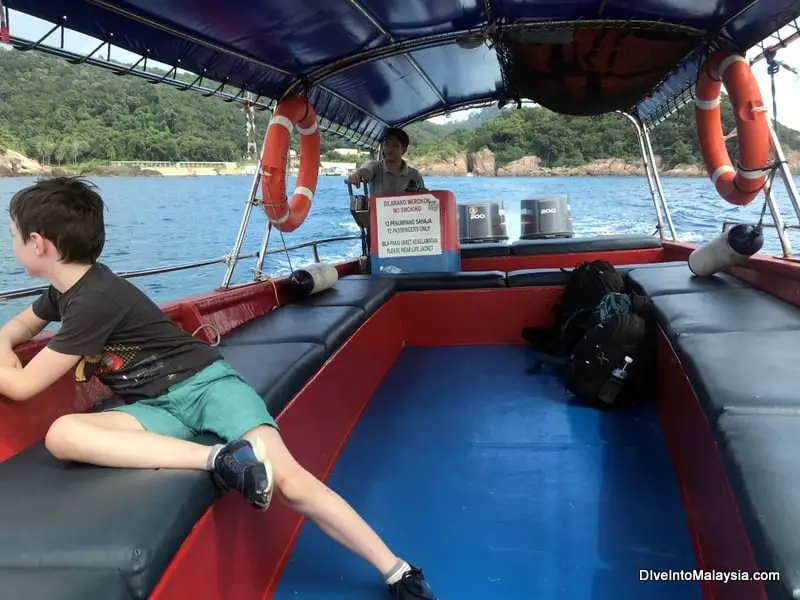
column 371, row 64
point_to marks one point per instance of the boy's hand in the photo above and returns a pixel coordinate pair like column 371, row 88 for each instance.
column 9, row 358
column 356, row 177
column 40, row 373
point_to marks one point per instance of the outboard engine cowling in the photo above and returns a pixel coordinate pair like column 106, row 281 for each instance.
column 481, row 222
column 547, row 217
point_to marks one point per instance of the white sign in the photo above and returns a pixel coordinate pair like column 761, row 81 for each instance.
column 408, row 226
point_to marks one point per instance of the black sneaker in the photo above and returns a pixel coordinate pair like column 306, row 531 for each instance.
column 239, row 466
column 412, row 586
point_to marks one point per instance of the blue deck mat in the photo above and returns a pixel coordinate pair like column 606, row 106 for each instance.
column 499, row 486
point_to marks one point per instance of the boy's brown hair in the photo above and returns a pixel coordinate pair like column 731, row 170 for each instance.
column 65, row 210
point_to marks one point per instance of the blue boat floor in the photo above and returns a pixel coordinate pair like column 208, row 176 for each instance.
column 499, row 485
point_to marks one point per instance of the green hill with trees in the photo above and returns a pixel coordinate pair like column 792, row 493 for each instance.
column 59, row 113
column 562, row 141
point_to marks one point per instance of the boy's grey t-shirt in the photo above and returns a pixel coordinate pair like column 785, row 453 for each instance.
column 123, row 337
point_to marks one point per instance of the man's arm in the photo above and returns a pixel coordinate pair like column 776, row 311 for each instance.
column 365, row 172
column 41, row 372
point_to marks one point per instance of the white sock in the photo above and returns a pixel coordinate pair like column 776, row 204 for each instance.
column 212, row 456
column 397, row 572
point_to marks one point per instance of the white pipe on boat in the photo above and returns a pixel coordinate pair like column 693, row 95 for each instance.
column 313, row 279
column 729, row 248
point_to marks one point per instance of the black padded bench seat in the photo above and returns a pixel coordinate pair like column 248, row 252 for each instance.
column 723, row 311
column 62, row 584
column 366, row 293
column 760, row 456
column 538, row 277
column 687, row 304
column 328, row 325
column 679, row 279
column 559, row 276
column 62, row 518
column 78, row 532
column 276, row 371
column 462, row 280
column 738, row 347
column 604, row 243
column 743, row 371
column 485, row 250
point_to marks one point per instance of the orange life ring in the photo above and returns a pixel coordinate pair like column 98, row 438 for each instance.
column 741, row 184
column 293, row 112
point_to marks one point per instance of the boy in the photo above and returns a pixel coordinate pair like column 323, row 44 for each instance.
column 392, row 175
column 174, row 384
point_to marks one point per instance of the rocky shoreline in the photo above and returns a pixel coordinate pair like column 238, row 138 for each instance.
column 483, row 164
column 14, row 164
column 463, row 164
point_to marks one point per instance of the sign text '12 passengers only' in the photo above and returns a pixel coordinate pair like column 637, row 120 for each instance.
column 408, row 226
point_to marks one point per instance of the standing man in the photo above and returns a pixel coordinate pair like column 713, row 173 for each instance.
column 392, row 175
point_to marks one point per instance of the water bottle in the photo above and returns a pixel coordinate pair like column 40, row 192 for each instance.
column 390, row 269
column 622, row 374
column 614, row 384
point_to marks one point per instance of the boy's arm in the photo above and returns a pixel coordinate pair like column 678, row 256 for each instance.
column 85, row 327
column 22, row 328
column 41, row 372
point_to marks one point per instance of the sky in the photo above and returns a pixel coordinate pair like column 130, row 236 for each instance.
column 787, row 83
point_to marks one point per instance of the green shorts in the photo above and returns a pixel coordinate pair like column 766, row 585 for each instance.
column 215, row 400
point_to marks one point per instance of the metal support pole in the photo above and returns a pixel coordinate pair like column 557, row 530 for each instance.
column 786, row 174
column 262, row 252
column 646, row 163
column 776, row 217
column 248, row 209
column 657, row 179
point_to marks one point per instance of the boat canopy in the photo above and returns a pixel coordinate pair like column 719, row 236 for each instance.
column 367, row 65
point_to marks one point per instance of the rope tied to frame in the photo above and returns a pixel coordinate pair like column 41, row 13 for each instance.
column 773, row 67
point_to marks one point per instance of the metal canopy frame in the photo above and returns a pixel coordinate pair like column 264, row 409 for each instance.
column 487, row 33
column 100, row 57
column 368, row 137
column 771, row 43
column 485, row 21
column 768, row 48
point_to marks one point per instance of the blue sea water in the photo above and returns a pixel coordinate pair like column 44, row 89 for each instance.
column 162, row 221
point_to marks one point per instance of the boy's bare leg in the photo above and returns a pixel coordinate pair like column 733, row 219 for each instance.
column 116, row 439
column 304, row 493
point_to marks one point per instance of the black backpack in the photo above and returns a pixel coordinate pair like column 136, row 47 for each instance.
column 612, row 362
column 587, row 285
column 577, row 312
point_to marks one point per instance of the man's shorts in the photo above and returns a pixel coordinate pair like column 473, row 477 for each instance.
column 215, row 400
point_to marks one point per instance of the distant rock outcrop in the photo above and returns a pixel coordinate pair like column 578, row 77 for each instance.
column 483, row 164
column 527, row 166
column 14, row 164
column 438, row 167
column 119, row 171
